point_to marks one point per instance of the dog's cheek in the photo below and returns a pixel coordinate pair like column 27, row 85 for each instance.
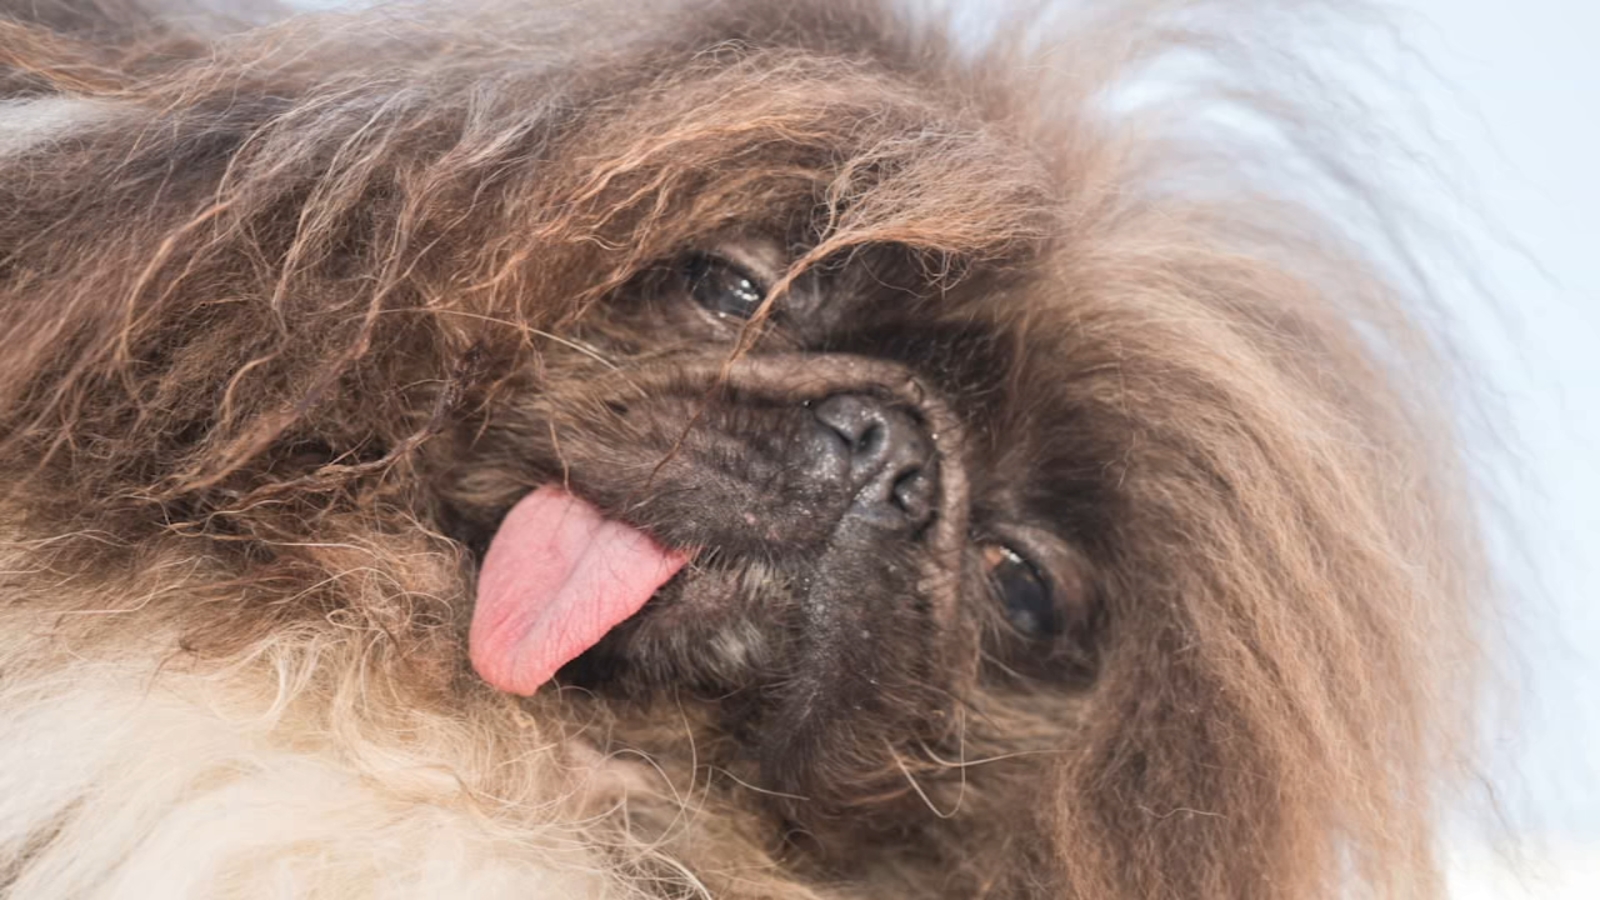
column 411, row 588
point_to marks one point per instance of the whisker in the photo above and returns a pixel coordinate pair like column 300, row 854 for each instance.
column 915, row 786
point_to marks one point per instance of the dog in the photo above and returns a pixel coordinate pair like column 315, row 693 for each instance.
column 735, row 449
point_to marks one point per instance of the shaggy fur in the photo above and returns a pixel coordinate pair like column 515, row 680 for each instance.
column 294, row 311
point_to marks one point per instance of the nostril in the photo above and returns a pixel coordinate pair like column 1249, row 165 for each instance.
column 869, row 441
column 913, row 494
column 855, row 419
column 903, row 493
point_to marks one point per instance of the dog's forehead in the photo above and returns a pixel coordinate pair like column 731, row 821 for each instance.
column 855, row 138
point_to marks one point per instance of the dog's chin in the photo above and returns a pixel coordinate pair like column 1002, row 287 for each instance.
column 707, row 633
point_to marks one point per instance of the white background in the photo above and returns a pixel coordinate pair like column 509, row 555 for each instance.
column 1515, row 103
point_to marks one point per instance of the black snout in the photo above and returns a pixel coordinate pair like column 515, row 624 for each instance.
column 890, row 458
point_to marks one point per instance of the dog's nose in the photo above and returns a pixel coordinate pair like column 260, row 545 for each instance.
column 893, row 469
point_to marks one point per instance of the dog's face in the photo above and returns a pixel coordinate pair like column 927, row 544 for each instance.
column 875, row 521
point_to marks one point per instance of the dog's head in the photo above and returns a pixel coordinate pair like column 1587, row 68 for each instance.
column 981, row 500
column 857, row 517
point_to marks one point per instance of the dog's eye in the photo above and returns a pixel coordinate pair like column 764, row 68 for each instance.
column 1029, row 605
column 722, row 287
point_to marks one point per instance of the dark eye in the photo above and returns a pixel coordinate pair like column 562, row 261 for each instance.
column 722, row 287
column 1029, row 606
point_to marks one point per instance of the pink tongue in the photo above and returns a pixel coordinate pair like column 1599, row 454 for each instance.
column 557, row 577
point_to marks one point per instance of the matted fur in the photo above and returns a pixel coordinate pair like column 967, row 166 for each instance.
column 281, row 305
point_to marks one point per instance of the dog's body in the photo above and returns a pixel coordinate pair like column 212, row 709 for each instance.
column 915, row 482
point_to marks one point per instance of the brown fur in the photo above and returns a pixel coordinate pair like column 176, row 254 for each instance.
column 286, row 319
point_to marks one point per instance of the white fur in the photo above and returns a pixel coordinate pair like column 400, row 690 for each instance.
column 128, row 779
column 28, row 124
